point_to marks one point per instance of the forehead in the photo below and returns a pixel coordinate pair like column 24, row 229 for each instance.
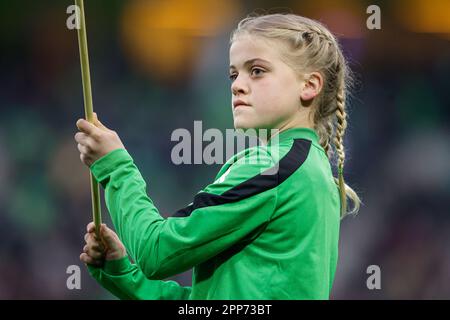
column 246, row 48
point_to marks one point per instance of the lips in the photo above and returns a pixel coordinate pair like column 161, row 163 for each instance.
column 238, row 103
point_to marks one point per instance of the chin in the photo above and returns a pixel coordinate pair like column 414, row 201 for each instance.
column 243, row 125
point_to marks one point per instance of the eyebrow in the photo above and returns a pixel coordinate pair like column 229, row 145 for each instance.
column 251, row 61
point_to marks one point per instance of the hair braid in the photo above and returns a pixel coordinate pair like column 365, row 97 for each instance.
column 341, row 125
column 326, row 146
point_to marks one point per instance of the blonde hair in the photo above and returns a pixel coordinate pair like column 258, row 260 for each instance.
column 307, row 45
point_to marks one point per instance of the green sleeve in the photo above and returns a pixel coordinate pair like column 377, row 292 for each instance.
column 127, row 282
column 232, row 209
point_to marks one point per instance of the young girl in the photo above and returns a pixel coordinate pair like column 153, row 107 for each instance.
column 250, row 234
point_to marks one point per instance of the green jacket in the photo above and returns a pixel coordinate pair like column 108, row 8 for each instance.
column 266, row 228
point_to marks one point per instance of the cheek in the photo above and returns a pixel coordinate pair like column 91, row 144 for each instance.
column 273, row 96
column 267, row 94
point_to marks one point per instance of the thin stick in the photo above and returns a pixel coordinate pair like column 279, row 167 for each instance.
column 88, row 109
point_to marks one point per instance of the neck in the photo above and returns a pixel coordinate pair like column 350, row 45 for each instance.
column 301, row 120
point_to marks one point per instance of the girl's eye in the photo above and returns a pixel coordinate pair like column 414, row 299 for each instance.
column 257, row 69
column 234, row 76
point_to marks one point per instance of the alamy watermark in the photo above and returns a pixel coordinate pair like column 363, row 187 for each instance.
column 190, row 148
column 374, row 280
column 73, row 21
column 374, row 20
column 74, row 280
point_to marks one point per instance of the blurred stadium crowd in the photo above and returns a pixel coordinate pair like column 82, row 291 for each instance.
column 159, row 65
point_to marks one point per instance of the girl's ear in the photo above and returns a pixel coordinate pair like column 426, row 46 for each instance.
column 312, row 86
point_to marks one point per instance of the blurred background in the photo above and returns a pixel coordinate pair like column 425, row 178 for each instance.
column 159, row 65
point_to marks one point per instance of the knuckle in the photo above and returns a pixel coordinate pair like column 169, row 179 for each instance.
column 94, row 255
column 96, row 135
column 84, row 159
column 94, row 244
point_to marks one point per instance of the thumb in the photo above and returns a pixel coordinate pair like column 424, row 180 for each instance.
column 108, row 235
column 85, row 126
column 98, row 123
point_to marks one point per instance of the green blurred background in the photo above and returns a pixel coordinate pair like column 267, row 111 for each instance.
column 159, row 65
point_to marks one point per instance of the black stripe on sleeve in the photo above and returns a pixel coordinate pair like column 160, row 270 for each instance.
column 293, row 159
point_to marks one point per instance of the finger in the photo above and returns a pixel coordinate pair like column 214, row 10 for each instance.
column 85, row 140
column 109, row 238
column 91, row 237
column 86, row 127
column 93, row 242
column 107, row 234
column 90, row 227
column 93, row 248
column 85, row 258
column 86, row 160
column 98, row 123
column 88, row 237
column 89, row 260
column 83, row 149
column 81, row 137
column 94, row 254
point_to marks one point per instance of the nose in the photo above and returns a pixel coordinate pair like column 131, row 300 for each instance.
column 239, row 86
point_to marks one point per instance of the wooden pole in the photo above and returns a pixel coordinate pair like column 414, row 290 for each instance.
column 88, row 108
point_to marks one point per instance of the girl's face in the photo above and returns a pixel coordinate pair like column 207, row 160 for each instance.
column 268, row 86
